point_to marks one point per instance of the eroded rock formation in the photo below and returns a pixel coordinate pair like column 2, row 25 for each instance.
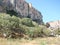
column 22, row 8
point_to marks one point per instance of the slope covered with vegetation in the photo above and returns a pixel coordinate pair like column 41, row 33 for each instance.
column 16, row 27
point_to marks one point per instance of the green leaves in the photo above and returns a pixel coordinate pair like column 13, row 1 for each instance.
column 27, row 22
column 12, row 24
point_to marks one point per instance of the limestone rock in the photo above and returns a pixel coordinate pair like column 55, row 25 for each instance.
column 22, row 8
column 53, row 25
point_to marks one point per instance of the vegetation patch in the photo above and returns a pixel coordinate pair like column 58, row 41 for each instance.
column 17, row 27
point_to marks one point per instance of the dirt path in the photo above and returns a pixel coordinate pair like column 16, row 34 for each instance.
column 37, row 41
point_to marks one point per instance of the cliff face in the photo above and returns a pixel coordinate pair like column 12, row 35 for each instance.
column 23, row 9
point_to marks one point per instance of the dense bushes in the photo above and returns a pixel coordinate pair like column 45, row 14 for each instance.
column 15, row 24
column 25, row 26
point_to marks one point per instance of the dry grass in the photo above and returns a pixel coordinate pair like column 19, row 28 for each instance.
column 37, row 41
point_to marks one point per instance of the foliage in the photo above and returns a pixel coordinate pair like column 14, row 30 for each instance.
column 35, row 24
column 57, row 32
column 46, row 31
column 25, row 26
column 27, row 22
column 10, row 24
column 33, row 31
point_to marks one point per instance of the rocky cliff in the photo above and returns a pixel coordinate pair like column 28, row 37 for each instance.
column 22, row 8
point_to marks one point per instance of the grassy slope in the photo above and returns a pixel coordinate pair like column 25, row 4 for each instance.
column 37, row 41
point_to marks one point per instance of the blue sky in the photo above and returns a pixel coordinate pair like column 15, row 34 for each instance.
column 50, row 9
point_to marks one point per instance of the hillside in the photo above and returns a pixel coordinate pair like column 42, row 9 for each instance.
column 12, row 26
column 15, row 27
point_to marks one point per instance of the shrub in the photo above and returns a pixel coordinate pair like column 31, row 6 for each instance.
column 35, row 24
column 14, row 22
column 27, row 22
column 57, row 32
column 33, row 31
column 30, row 31
column 46, row 32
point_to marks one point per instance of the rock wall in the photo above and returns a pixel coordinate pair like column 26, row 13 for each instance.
column 23, row 9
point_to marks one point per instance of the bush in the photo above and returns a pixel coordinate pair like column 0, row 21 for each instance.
column 35, row 24
column 27, row 22
column 46, row 32
column 30, row 31
column 33, row 31
column 57, row 32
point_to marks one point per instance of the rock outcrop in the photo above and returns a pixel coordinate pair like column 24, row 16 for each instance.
column 22, row 8
column 53, row 25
